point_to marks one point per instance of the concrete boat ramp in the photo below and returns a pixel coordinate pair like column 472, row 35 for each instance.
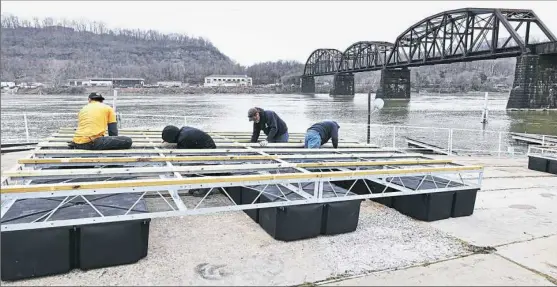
column 511, row 239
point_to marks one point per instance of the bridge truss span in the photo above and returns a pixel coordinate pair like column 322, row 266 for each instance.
column 323, row 62
column 461, row 35
column 467, row 35
column 365, row 56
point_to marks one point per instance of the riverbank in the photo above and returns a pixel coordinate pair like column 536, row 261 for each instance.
column 196, row 90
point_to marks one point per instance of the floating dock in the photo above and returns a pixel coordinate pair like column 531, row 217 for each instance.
column 101, row 202
column 543, row 158
column 424, row 147
column 534, row 139
column 16, row 147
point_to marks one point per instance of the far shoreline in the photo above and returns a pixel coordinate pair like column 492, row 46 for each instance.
column 200, row 90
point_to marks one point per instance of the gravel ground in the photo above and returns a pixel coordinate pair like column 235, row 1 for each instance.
column 230, row 249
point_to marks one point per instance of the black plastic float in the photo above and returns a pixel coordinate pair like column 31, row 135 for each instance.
column 58, row 250
column 538, row 163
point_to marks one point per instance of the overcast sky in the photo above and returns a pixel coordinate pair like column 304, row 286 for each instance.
column 250, row 32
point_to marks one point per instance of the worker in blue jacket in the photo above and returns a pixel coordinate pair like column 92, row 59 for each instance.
column 320, row 133
column 271, row 124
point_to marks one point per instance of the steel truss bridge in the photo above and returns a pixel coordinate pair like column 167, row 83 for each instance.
column 461, row 35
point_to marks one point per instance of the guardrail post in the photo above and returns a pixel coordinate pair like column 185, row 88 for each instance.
column 119, row 120
column 369, row 117
column 114, row 96
column 185, row 121
column 26, row 127
column 394, row 137
column 450, row 144
column 500, row 142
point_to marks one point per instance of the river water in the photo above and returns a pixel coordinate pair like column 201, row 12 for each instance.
column 229, row 112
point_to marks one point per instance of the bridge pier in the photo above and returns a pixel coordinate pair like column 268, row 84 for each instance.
column 308, row 85
column 343, row 85
column 534, row 78
column 394, row 84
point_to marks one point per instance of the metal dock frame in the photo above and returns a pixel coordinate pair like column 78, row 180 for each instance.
column 166, row 174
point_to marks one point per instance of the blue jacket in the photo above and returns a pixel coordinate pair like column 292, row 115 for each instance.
column 271, row 124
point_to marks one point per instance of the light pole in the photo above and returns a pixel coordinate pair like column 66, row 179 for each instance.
column 378, row 104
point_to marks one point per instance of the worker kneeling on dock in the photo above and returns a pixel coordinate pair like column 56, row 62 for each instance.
column 188, row 138
column 271, row 124
column 93, row 120
column 320, row 133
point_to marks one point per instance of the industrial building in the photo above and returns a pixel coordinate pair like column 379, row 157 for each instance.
column 227, row 80
column 107, row 82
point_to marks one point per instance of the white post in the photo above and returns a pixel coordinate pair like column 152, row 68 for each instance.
column 543, row 140
column 185, row 121
column 119, row 120
column 485, row 112
column 394, row 136
column 26, row 127
column 500, row 139
column 115, row 95
column 449, row 142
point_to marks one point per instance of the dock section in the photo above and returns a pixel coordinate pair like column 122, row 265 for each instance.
column 535, row 139
column 103, row 201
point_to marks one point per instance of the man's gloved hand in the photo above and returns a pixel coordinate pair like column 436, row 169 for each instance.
column 263, row 143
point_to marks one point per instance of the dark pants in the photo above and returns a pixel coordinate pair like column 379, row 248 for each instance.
column 105, row 143
column 281, row 139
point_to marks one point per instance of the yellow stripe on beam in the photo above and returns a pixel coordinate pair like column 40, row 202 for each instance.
column 372, row 163
column 226, row 179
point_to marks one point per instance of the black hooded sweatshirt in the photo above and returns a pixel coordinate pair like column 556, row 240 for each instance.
column 192, row 138
column 327, row 130
column 271, row 124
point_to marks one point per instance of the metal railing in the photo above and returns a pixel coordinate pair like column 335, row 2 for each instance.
column 32, row 127
column 549, row 152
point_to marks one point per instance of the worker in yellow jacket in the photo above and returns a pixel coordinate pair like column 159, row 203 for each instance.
column 93, row 121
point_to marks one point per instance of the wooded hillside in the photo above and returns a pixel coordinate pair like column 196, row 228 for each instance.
column 52, row 51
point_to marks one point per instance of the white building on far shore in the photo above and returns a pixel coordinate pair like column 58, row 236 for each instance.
column 227, row 80
column 8, row 85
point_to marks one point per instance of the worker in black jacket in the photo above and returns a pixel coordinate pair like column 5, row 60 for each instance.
column 188, row 137
column 271, row 124
column 320, row 133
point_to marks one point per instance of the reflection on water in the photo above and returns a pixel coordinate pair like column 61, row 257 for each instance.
column 536, row 122
column 229, row 112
